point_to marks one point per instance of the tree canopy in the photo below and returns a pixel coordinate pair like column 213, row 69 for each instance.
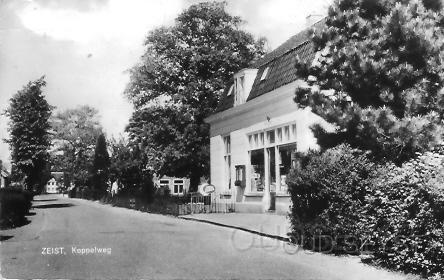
column 30, row 138
column 179, row 82
column 378, row 75
column 75, row 134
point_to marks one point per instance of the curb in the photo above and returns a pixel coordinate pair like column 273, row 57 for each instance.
column 278, row 237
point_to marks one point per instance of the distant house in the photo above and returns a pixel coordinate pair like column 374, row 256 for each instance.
column 4, row 174
column 176, row 186
column 55, row 183
column 258, row 130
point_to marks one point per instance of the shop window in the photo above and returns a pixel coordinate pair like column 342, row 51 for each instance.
column 287, row 158
column 257, row 170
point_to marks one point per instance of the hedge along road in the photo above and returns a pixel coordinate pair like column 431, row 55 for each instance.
column 78, row 239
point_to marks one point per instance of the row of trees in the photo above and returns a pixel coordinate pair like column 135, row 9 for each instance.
column 176, row 85
column 41, row 142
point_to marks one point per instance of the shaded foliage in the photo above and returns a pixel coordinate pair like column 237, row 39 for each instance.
column 378, row 76
column 182, row 75
column 128, row 169
column 75, row 134
column 29, row 139
column 344, row 203
column 14, row 205
column 100, row 168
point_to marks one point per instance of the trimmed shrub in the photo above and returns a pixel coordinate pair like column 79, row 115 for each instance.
column 344, row 203
column 327, row 192
column 14, row 205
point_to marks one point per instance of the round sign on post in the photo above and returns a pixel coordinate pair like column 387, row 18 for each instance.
column 208, row 189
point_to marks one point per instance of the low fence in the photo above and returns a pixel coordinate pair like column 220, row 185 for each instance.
column 206, row 204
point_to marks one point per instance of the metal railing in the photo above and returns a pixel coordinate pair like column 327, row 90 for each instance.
column 206, row 204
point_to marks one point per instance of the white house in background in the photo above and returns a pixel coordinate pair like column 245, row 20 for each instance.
column 55, row 183
column 177, row 186
column 258, row 129
column 4, row 174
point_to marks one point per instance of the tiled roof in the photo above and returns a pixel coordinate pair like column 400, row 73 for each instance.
column 57, row 175
column 281, row 70
column 281, row 63
column 226, row 102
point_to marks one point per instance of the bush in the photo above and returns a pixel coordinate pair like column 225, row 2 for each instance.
column 326, row 193
column 14, row 205
column 344, row 203
column 404, row 216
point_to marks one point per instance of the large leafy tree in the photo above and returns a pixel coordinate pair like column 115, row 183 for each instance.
column 127, row 167
column 75, row 134
column 179, row 82
column 30, row 138
column 378, row 75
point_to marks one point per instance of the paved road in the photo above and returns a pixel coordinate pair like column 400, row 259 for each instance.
column 140, row 245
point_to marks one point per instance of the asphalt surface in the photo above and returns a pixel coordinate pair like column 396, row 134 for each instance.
column 104, row 242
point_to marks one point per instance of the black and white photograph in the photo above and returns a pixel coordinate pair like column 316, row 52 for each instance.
column 211, row 139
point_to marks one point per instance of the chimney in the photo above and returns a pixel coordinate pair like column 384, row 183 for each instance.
column 312, row 19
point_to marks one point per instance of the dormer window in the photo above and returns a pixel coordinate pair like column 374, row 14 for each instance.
column 243, row 82
column 239, row 97
column 265, row 73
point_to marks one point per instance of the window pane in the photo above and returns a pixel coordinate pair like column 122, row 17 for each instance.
column 175, row 188
column 293, row 131
column 272, row 165
column 180, row 188
column 286, row 133
column 270, row 137
column 285, row 165
column 279, row 132
column 257, row 170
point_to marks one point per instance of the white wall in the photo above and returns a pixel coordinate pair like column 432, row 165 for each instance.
column 217, row 167
column 271, row 110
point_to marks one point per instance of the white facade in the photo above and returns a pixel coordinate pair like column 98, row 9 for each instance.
column 177, row 186
column 52, row 186
column 2, row 179
column 254, row 145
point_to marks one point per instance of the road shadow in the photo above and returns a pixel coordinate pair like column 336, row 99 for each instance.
column 55, row 205
column 5, row 237
column 45, row 200
column 5, row 225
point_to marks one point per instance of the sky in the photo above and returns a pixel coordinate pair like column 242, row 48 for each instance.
column 84, row 48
